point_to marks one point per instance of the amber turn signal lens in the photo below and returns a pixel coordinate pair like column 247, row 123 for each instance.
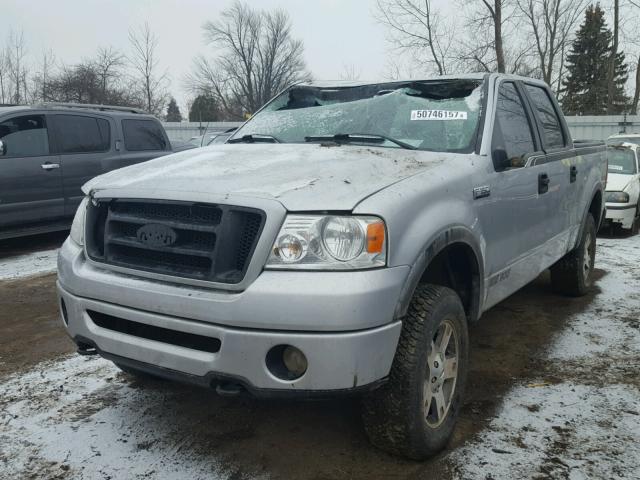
column 375, row 237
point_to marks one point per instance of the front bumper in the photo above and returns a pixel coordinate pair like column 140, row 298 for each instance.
column 342, row 321
column 622, row 214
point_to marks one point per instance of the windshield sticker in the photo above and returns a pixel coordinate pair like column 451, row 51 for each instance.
column 616, row 167
column 437, row 115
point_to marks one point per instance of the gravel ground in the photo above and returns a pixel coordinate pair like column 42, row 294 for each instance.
column 554, row 392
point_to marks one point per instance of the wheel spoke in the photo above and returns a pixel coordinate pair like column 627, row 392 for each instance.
column 428, row 399
column 450, row 368
column 443, row 341
column 440, row 404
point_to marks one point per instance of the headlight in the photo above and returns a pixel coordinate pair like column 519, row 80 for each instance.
column 617, row 197
column 329, row 242
column 77, row 227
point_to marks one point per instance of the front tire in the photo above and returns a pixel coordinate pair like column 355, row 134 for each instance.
column 573, row 274
column 414, row 414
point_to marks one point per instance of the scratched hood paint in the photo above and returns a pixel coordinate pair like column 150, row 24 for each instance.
column 301, row 177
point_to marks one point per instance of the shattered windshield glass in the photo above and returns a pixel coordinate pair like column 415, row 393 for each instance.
column 440, row 115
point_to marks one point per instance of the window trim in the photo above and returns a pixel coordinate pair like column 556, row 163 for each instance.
column 167, row 143
column 528, row 114
column 58, row 134
column 47, row 128
column 539, row 125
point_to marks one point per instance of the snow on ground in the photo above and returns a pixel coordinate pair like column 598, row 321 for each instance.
column 81, row 418
column 581, row 419
column 12, row 268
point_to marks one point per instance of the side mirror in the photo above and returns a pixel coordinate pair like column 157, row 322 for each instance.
column 3, row 148
column 500, row 159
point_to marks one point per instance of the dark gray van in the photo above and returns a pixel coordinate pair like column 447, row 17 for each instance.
column 48, row 152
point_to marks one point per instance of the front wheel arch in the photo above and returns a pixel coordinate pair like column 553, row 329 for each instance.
column 456, row 239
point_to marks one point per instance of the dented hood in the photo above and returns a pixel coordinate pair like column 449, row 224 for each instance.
column 301, row 177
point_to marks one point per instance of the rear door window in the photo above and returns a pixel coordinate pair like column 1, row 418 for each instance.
column 82, row 134
column 143, row 135
column 512, row 130
column 25, row 136
column 552, row 134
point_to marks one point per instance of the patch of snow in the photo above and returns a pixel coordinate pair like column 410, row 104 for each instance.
column 558, row 431
column 583, row 427
column 79, row 418
column 21, row 266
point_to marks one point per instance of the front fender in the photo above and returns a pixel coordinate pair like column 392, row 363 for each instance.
column 434, row 245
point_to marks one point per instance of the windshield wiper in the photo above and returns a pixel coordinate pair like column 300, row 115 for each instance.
column 358, row 138
column 255, row 138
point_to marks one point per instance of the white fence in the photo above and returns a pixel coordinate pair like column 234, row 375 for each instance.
column 583, row 128
column 601, row 127
column 183, row 131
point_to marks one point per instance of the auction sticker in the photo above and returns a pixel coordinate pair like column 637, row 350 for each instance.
column 437, row 115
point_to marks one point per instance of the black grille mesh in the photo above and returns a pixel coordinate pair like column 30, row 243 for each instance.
column 207, row 242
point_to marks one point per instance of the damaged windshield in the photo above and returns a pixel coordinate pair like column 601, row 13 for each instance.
column 440, row 115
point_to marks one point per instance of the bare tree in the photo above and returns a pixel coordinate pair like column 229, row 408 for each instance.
column 41, row 81
column 108, row 63
column 4, row 94
column 15, row 64
column 145, row 65
column 257, row 58
column 611, row 87
column 416, row 27
column 350, row 72
column 635, row 4
column 495, row 14
column 552, row 22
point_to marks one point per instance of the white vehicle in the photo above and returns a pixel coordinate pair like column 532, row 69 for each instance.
column 619, row 138
column 623, row 186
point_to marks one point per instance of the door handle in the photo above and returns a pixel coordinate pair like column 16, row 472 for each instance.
column 543, row 183
column 50, row 166
column 573, row 173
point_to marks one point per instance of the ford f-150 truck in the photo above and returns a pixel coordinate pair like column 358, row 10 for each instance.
column 342, row 241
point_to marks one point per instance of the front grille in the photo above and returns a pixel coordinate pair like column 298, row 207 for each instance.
column 183, row 239
column 158, row 334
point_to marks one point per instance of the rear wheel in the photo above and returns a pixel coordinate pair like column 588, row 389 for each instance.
column 573, row 274
column 414, row 413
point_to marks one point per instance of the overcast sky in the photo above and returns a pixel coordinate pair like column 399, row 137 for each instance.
column 335, row 32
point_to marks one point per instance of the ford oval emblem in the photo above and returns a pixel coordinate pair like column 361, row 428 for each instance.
column 156, row 235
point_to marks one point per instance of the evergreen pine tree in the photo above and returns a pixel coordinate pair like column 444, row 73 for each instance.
column 173, row 111
column 585, row 88
column 204, row 109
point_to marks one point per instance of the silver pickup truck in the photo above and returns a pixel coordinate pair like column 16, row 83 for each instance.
column 342, row 241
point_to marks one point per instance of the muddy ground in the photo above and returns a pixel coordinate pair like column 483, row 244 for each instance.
column 553, row 392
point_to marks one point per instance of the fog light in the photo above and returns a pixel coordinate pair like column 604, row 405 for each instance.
column 295, row 361
column 286, row 362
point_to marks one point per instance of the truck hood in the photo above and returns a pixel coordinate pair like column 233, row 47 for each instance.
column 617, row 182
column 300, row 177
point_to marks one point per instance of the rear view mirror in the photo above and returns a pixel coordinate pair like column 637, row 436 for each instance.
column 3, row 148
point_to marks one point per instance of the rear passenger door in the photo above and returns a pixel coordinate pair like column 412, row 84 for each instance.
column 559, row 165
column 144, row 139
column 84, row 144
column 30, row 174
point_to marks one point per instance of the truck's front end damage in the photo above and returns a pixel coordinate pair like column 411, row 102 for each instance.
column 177, row 288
